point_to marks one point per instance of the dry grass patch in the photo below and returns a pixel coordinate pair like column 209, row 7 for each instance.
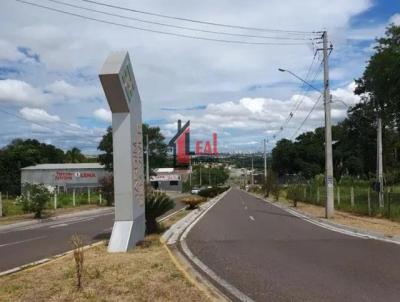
column 143, row 274
column 193, row 201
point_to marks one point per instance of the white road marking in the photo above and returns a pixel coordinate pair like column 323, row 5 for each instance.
column 58, row 225
column 245, row 207
column 252, row 218
column 22, row 241
column 229, row 287
column 69, row 223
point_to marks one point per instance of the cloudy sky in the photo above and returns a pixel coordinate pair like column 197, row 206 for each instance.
column 49, row 88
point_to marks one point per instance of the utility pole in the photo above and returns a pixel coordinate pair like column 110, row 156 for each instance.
column 380, row 160
column 252, row 171
column 147, row 160
column 190, row 172
column 265, row 166
column 329, row 206
column 200, row 175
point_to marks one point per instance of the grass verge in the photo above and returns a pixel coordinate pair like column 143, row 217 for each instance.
column 47, row 213
column 146, row 273
column 382, row 226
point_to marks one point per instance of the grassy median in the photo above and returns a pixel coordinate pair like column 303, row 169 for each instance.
column 144, row 274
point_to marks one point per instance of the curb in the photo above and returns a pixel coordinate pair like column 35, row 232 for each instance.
column 171, row 240
column 192, row 275
column 42, row 262
column 16, row 225
column 333, row 226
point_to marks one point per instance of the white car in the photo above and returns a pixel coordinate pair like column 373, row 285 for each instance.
column 195, row 190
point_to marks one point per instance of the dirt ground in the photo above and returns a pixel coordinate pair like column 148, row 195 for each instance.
column 383, row 226
column 146, row 273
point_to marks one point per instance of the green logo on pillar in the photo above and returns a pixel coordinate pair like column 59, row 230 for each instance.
column 127, row 82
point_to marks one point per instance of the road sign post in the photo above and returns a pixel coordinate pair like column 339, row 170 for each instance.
column 122, row 94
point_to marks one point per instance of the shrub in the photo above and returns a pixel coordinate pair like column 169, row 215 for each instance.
column 107, row 189
column 36, row 200
column 157, row 204
column 212, row 192
column 193, row 201
column 294, row 193
column 77, row 243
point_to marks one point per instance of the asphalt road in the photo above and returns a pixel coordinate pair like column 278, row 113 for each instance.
column 271, row 255
column 24, row 245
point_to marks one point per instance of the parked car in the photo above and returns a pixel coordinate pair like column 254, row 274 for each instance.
column 195, row 190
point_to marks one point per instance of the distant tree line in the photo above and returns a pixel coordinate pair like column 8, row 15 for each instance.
column 23, row 153
column 355, row 138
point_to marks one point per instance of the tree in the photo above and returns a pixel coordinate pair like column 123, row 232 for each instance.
column 106, row 145
column 381, row 78
column 74, row 156
column 22, row 153
column 157, row 146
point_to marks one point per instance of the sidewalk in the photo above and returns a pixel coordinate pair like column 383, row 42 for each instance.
column 29, row 222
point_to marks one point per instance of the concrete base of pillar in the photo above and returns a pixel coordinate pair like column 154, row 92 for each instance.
column 126, row 234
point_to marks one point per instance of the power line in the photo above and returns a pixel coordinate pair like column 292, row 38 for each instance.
column 297, row 104
column 293, row 32
column 154, row 31
column 177, row 26
column 308, row 115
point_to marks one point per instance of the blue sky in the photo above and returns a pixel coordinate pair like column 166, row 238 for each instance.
column 49, row 88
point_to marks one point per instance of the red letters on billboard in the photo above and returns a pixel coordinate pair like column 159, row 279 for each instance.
column 208, row 150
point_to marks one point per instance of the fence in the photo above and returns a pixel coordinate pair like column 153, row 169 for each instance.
column 10, row 206
column 361, row 200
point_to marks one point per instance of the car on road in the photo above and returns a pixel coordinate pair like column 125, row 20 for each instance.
column 195, row 190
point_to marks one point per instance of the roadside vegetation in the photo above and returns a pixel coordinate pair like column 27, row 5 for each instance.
column 157, row 204
column 193, row 202
column 145, row 273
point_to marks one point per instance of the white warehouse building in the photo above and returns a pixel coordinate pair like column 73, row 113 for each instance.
column 64, row 176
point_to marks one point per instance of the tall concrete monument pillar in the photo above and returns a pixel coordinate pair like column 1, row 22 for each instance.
column 123, row 97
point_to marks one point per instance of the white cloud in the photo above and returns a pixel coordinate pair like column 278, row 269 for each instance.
column 259, row 117
column 103, row 114
column 19, row 93
column 181, row 72
column 395, row 19
column 66, row 90
column 38, row 115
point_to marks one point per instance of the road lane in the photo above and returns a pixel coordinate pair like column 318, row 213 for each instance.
column 26, row 244
column 32, row 243
column 278, row 257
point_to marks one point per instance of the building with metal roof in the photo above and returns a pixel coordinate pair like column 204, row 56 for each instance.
column 64, row 176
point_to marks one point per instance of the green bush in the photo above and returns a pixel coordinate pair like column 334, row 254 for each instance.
column 107, row 189
column 157, row 204
column 39, row 195
column 212, row 192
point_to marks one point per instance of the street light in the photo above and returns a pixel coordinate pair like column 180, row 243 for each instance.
column 296, row 76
